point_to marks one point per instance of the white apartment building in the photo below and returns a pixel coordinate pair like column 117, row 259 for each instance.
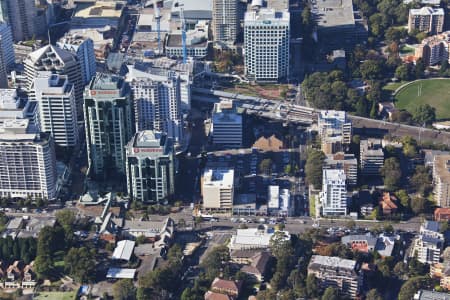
column 83, row 49
column 427, row 19
column 225, row 22
column 429, row 244
column 279, row 201
column 266, row 44
column 226, row 126
column 218, row 189
column 441, row 180
column 56, row 107
column 27, row 162
column 157, row 101
column 108, row 125
column 371, row 157
column 150, row 167
column 346, row 162
column 333, row 197
column 334, row 123
column 53, row 59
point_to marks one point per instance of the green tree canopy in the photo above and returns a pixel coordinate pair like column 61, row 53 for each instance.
column 124, row 289
column 391, row 173
column 314, row 168
column 424, row 114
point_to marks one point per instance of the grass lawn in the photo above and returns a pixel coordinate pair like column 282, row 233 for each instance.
column 393, row 86
column 56, row 296
column 407, row 50
column 435, row 92
column 312, row 206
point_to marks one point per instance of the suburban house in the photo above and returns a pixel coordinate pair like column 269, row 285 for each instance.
column 388, row 204
column 227, row 287
column 259, row 265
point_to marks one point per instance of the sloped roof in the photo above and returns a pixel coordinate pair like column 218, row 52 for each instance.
column 63, row 55
column 124, row 250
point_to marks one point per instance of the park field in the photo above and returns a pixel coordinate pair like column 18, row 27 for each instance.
column 435, row 92
column 56, row 296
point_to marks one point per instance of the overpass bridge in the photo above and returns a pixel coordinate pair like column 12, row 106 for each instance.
column 271, row 109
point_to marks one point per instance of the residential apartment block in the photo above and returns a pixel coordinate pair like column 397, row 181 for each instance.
column 150, row 167
column 434, row 49
column 56, row 107
column 157, row 101
column 426, row 19
column 441, row 180
column 226, row 126
column 346, row 162
column 27, row 162
column 335, row 130
column 266, row 44
column 333, row 197
column 429, row 243
column 108, row 124
column 218, row 189
column 371, row 157
column 343, row 274
column 225, row 23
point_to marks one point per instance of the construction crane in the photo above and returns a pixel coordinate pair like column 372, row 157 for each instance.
column 183, row 34
column 158, row 24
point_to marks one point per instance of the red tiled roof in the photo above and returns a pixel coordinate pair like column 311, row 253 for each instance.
column 216, row 296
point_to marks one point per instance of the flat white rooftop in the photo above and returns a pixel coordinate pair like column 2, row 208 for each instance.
column 124, row 250
column 119, row 273
column 220, row 177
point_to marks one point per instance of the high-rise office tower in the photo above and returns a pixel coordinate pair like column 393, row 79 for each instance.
column 225, row 21
column 21, row 15
column 58, row 61
column 108, row 124
column 27, row 162
column 266, row 42
column 150, row 167
column 157, row 103
column 57, row 108
column 83, row 48
column 6, row 53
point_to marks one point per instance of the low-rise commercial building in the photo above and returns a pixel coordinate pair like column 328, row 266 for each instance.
column 343, row 274
column 279, row 201
column 218, row 189
column 253, row 238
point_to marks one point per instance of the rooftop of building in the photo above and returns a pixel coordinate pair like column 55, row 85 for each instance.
column 371, row 240
column 63, row 56
column 103, row 81
column 193, row 9
column 220, row 177
column 267, row 16
column 371, row 146
column 348, row 158
column 431, row 295
column 333, row 13
column 329, row 261
column 333, row 114
column 424, row 11
column 431, row 226
column 225, row 111
column 334, row 175
column 100, row 9
column 8, row 99
column 174, row 41
column 442, row 167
